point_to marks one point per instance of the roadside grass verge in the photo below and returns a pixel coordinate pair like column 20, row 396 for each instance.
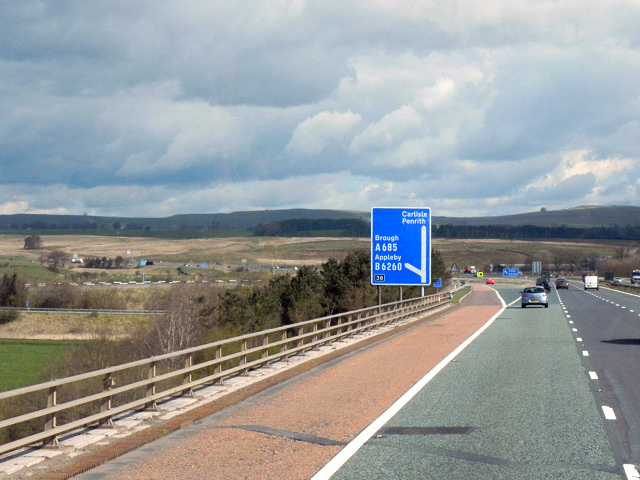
column 460, row 293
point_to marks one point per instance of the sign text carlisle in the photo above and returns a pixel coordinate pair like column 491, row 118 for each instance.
column 401, row 246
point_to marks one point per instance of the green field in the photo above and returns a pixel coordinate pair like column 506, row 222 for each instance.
column 22, row 361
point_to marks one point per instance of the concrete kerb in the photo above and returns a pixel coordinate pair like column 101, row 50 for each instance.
column 86, row 448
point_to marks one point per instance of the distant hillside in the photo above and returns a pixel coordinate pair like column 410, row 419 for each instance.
column 581, row 217
column 236, row 221
column 309, row 222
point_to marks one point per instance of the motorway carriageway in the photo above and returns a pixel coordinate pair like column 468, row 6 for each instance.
column 485, row 391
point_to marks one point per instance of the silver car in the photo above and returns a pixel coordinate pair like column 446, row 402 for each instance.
column 534, row 296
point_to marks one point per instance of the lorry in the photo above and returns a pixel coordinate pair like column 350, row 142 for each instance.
column 591, row 281
column 635, row 277
column 470, row 269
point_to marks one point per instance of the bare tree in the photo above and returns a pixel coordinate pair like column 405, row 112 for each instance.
column 58, row 257
column 179, row 327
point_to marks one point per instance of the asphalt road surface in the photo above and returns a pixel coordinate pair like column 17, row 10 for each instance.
column 517, row 403
column 607, row 324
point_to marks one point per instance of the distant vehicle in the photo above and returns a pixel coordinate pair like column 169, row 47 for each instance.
column 591, row 281
column 490, row 281
column 542, row 282
column 534, row 296
column 617, row 280
column 470, row 269
column 635, row 276
column 562, row 283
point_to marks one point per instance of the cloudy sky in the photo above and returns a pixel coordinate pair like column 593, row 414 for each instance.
column 153, row 108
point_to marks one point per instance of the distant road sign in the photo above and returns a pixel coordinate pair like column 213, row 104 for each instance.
column 510, row 272
column 400, row 246
column 438, row 283
column 454, row 268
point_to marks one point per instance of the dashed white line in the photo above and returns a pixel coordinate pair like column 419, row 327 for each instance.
column 609, row 414
column 631, row 472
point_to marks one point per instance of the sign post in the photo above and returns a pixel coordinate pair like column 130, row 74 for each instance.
column 401, row 246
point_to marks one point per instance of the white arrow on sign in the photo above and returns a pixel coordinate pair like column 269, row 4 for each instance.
column 422, row 271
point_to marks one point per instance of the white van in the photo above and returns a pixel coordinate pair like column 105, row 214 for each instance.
column 591, row 281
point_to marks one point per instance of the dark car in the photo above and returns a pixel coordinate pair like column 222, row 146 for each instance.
column 534, row 296
column 562, row 283
column 542, row 282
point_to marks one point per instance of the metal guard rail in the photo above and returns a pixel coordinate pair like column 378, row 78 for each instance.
column 200, row 365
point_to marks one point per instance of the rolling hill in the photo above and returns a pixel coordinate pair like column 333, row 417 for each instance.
column 249, row 221
column 579, row 217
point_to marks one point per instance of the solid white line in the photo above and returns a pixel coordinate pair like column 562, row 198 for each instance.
column 609, row 414
column 352, row 447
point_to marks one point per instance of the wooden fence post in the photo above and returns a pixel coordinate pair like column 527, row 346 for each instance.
column 188, row 361
column 218, row 368
column 151, row 387
column 107, row 384
column 50, row 419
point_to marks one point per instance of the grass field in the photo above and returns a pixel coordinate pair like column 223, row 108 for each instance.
column 183, row 258
column 21, row 361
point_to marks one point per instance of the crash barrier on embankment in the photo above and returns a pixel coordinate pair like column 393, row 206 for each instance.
column 93, row 398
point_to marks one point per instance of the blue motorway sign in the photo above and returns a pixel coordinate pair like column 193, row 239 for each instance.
column 400, row 246
column 510, row 272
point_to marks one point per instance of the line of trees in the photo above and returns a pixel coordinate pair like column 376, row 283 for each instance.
column 105, row 262
column 201, row 312
column 523, row 232
column 352, row 227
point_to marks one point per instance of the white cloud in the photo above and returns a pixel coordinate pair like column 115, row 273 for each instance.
column 315, row 134
column 123, row 108
column 583, row 162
